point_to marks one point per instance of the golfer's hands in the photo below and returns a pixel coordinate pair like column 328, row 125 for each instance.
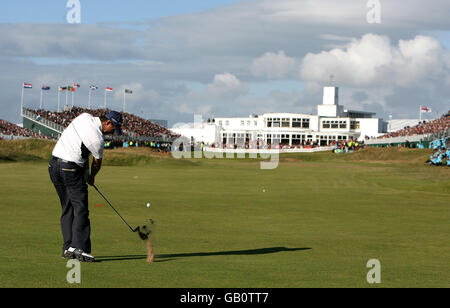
column 91, row 180
column 86, row 174
column 95, row 168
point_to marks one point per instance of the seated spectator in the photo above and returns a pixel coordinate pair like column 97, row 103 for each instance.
column 447, row 154
column 437, row 158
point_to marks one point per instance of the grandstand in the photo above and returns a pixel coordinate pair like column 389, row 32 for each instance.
column 395, row 125
column 52, row 124
column 12, row 131
column 423, row 132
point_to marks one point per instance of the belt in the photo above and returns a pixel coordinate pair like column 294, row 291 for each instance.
column 61, row 160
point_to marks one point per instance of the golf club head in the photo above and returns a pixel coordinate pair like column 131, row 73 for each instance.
column 144, row 231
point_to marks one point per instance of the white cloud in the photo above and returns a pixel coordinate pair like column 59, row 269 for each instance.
column 225, row 86
column 373, row 61
column 273, row 65
column 140, row 92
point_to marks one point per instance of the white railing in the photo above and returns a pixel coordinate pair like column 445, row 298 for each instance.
column 401, row 139
column 43, row 121
column 12, row 137
column 269, row 151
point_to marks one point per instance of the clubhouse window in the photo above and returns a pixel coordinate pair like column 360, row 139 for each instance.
column 354, row 125
column 285, row 122
column 305, row 123
column 276, row 122
column 296, row 122
column 297, row 139
column 240, row 139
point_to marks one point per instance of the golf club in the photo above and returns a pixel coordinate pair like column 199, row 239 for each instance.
column 143, row 235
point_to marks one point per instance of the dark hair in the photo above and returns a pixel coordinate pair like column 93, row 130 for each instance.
column 103, row 118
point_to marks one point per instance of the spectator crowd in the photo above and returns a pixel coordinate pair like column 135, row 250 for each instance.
column 346, row 146
column 10, row 129
column 432, row 127
column 441, row 156
column 133, row 125
column 163, row 147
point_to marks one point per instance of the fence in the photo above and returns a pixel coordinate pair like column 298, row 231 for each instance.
column 42, row 121
column 12, row 137
column 269, row 151
column 398, row 140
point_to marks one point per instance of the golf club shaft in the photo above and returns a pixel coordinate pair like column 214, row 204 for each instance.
column 112, row 207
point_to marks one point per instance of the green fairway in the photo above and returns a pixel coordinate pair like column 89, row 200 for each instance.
column 315, row 221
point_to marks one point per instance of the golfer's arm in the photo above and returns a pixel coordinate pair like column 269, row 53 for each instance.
column 95, row 167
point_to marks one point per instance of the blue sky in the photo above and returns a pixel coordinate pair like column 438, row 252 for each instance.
column 102, row 11
column 228, row 57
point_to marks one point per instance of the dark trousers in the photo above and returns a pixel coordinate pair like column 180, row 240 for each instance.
column 70, row 184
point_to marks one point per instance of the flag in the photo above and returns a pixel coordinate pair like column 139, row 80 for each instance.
column 108, row 89
column 27, row 86
column 93, row 87
column 70, row 88
column 425, row 109
column 128, row 91
column 62, row 89
column 45, row 88
column 76, row 85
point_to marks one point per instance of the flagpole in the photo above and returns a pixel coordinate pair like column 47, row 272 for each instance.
column 73, row 96
column 66, row 97
column 40, row 104
column 105, row 99
column 89, row 100
column 420, row 114
column 21, row 102
column 59, row 92
column 124, row 101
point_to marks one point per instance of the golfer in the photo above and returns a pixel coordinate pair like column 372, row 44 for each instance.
column 69, row 172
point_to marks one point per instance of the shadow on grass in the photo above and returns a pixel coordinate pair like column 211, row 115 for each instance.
column 170, row 257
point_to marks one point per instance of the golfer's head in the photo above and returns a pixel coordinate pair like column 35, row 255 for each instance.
column 113, row 123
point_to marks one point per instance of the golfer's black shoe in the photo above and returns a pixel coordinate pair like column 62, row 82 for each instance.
column 76, row 253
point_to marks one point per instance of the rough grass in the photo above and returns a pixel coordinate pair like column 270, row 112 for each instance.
column 25, row 150
column 41, row 150
column 35, row 150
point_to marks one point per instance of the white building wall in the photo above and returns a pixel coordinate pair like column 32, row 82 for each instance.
column 330, row 96
column 329, row 110
column 208, row 133
column 368, row 127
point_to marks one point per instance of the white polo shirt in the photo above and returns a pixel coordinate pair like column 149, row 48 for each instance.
column 81, row 138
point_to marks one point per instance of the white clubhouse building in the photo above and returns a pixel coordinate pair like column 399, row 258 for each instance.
column 332, row 123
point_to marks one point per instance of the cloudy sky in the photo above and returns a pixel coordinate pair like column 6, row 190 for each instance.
column 228, row 57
